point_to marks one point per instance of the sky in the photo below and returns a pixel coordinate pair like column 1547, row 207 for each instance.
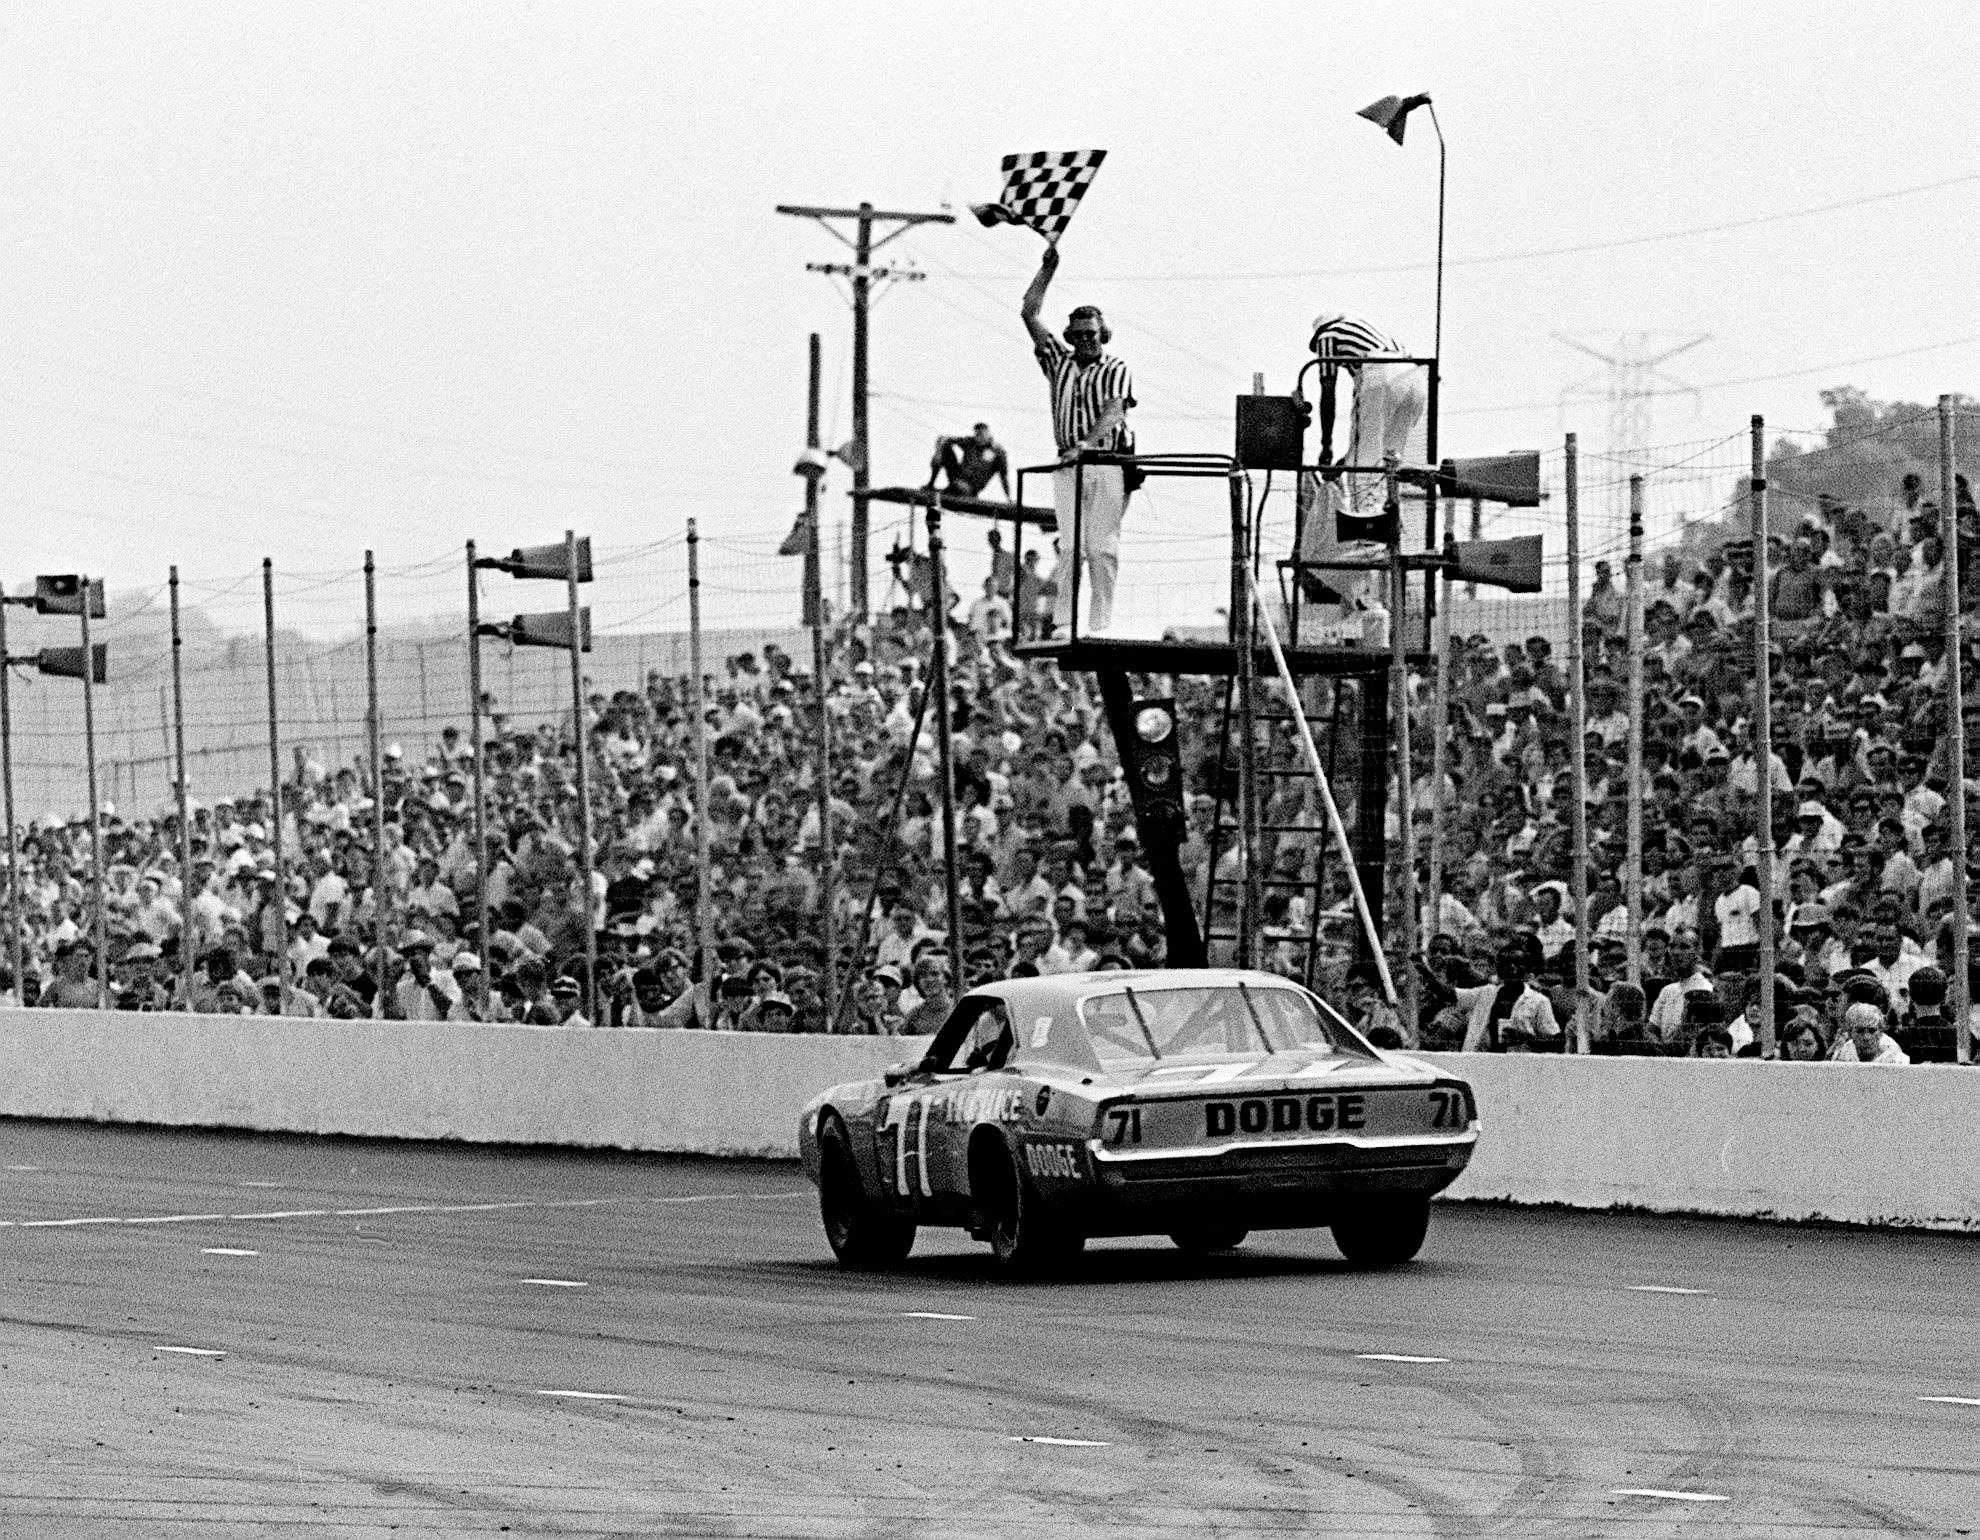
column 299, row 281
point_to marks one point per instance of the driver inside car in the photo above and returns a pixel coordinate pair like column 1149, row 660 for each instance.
column 990, row 1041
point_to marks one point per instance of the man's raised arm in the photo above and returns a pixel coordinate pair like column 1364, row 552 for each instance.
column 1034, row 297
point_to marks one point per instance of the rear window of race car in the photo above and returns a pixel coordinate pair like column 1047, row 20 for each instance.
column 1144, row 1023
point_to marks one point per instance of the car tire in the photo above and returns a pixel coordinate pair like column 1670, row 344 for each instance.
column 1383, row 1234
column 862, row 1234
column 1205, row 1240
column 1025, row 1237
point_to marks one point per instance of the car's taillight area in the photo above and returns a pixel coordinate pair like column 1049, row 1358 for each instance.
column 1452, row 1108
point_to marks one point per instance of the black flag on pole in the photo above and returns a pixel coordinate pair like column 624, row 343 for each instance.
column 1041, row 190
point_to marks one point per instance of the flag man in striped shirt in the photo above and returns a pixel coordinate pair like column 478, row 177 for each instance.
column 1389, row 405
column 1091, row 394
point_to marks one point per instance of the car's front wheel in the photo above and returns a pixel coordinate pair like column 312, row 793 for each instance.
column 1383, row 1234
column 861, row 1233
column 1026, row 1238
column 1202, row 1240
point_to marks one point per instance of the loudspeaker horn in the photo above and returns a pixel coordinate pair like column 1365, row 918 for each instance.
column 1513, row 480
column 1510, row 564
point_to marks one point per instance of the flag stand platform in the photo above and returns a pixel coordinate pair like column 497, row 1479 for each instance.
column 1298, row 789
column 1260, row 787
column 975, row 507
column 1199, row 656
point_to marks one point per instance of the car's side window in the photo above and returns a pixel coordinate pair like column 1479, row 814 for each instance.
column 990, row 1040
column 976, row 1037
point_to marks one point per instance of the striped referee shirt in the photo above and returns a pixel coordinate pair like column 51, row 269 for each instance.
column 1079, row 391
column 1349, row 342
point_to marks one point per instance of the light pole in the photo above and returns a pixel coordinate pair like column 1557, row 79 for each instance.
column 568, row 562
column 7, row 779
column 1391, row 115
column 90, row 664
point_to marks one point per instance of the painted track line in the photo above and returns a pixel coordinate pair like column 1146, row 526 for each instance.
column 1669, row 1496
column 1953, row 1400
column 933, row 1315
column 1059, row 1443
column 400, row 1208
column 174, row 1219
column 193, row 1352
column 556, row 1283
column 1400, row 1358
column 285, row 1213
column 227, row 1251
column 1666, row 1288
column 582, row 1395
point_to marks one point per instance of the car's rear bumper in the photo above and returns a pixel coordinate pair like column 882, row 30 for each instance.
column 1259, row 1188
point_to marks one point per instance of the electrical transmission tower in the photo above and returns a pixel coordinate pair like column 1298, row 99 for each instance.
column 1634, row 377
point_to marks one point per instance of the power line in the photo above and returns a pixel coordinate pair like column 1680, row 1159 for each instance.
column 1751, row 379
column 251, row 408
column 1538, row 252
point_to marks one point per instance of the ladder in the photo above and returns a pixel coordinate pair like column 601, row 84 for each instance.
column 1294, row 840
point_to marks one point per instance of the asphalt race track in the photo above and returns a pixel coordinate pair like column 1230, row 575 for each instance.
column 237, row 1335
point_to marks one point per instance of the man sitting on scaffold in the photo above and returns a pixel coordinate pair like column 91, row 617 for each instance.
column 1389, row 405
column 970, row 461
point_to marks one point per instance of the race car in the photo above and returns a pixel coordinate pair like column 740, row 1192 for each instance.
column 1200, row 1104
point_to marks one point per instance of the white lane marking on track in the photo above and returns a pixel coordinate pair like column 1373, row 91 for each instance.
column 226, row 1251
column 172, row 1219
column 261, row 1184
column 933, row 1315
column 1675, row 1497
column 1400, row 1358
column 192, row 1352
column 1062, row 1443
column 582, row 1395
column 402, row 1208
column 24, row 1168
column 285, row 1213
column 1953, row 1400
column 1663, row 1288
column 558, row 1283
column 56, row 1224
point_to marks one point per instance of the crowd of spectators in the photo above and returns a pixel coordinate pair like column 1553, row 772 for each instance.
column 1864, row 871
column 1043, row 815
column 1053, row 875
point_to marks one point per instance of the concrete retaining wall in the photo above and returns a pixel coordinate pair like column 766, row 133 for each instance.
column 1859, row 1143
column 1854, row 1143
column 704, row 1092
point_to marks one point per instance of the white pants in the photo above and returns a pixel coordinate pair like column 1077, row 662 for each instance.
column 1102, row 500
column 1389, row 403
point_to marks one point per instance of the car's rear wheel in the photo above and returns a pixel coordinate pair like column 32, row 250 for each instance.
column 1026, row 1238
column 1384, row 1233
column 862, row 1234
column 1202, row 1240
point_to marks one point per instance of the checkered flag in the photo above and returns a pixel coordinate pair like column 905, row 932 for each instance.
column 1041, row 190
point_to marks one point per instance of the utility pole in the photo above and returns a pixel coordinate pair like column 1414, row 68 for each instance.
column 864, row 275
column 814, row 604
